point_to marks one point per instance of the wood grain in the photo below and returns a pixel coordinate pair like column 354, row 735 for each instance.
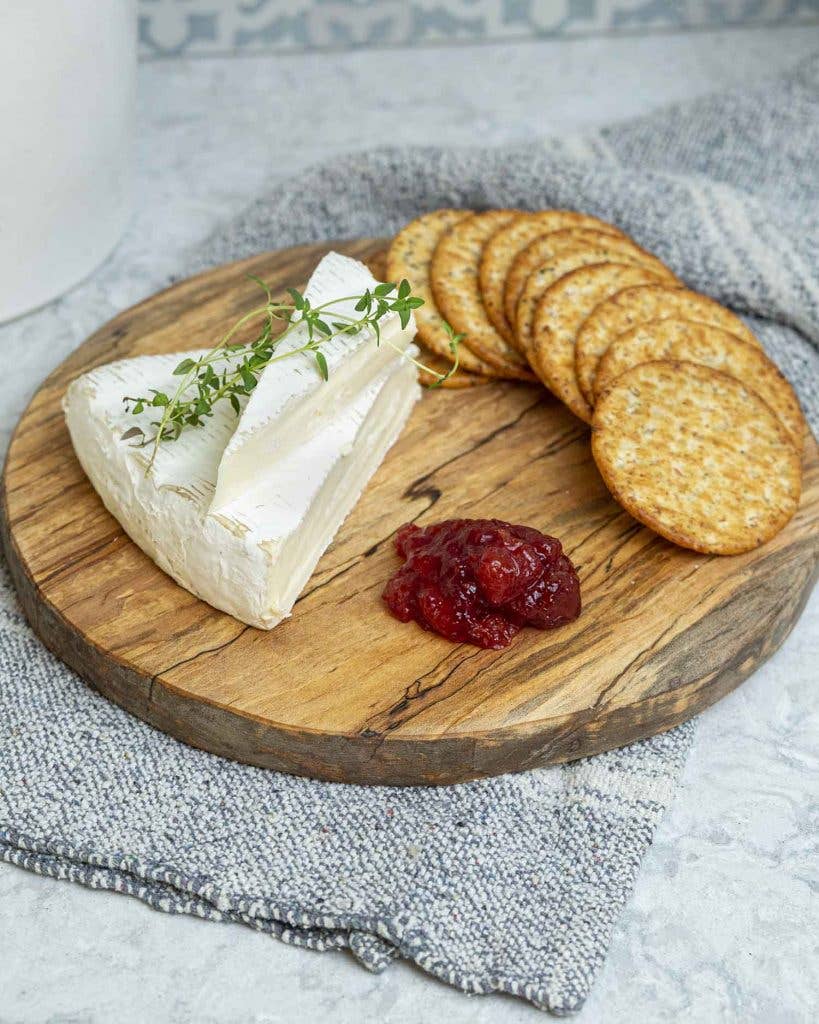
column 342, row 691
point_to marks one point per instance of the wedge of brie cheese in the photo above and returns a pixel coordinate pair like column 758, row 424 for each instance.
column 239, row 510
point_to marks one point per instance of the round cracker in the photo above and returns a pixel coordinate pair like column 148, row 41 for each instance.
column 460, row 379
column 638, row 306
column 502, row 248
column 572, row 255
column 453, row 276
column 409, row 257
column 558, row 316
column 696, row 456
column 546, row 247
column 705, row 345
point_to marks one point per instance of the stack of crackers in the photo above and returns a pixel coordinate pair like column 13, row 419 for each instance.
column 694, row 430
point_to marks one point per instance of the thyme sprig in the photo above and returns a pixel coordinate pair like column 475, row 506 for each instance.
column 203, row 385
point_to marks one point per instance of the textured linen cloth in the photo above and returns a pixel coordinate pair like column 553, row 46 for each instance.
column 509, row 884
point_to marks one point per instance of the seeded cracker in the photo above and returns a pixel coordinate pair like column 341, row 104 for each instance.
column 502, row 248
column 693, row 454
column 547, row 247
column 562, row 309
column 705, row 345
column 409, row 257
column 638, row 306
column 456, row 289
column 545, row 273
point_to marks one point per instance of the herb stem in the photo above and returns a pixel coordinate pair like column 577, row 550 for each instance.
column 189, row 377
column 180, row 411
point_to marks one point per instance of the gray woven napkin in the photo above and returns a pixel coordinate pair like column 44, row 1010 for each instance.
column 509, row 884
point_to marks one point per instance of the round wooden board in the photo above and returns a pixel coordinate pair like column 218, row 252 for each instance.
column 342, row 691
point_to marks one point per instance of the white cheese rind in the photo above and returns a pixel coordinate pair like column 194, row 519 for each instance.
column 292, row 403
column 253, row 557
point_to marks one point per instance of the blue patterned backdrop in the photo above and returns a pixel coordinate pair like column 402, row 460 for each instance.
column 173, row 27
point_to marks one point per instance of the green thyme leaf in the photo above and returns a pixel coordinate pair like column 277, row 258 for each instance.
column 262, row 285
column 321, row 362
column 202, row 386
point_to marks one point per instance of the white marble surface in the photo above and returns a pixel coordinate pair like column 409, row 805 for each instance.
column 725, row 919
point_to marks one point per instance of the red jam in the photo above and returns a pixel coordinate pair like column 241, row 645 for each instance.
column 480, row 581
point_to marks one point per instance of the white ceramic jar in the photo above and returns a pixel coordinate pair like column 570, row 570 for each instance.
column 67, row 85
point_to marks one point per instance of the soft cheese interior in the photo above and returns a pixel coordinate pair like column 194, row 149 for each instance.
column 247, row 546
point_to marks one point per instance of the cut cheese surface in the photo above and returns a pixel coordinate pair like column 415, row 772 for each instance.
column 295, row 478
column 292, row 402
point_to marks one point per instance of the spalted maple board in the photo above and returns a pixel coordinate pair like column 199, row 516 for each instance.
column 343, row 691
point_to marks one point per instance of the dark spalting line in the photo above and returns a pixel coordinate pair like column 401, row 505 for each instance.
column 345, row 566
column 417, row 689
column 710, row 590
column 703, row 561
column 639, row 659
column 485, row 495
column 546, row 659
column 400, row 721
column 418, row 698
column 562, row 442
column 622, row 540
column 147, row 636
column 326, row 583
column 677, row 662
column 433, row 494
column 373, row 549
column 531, row 666
column 616, row 514
column 642, row 561
column 59, row 636
column 199, row 654
column 47, row 419
column 67, row 524
column 412, row 490
column 205, row 616
column 102, row 518
column 349, row 597
column 50, row 499
column 86, row 559
column 571, row 737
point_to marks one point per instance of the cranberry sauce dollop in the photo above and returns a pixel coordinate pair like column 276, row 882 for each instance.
column 480, row 581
